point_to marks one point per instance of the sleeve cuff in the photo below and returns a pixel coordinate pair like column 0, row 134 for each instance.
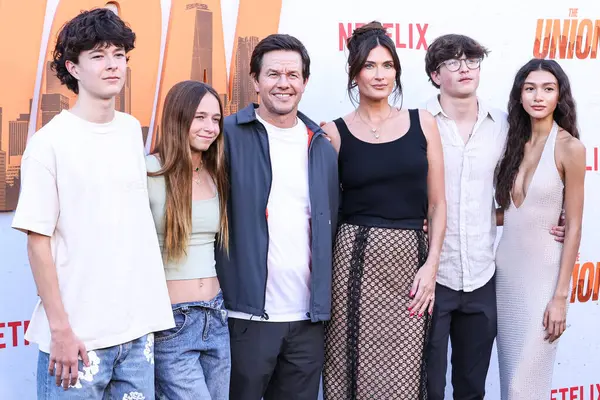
column 36, row 228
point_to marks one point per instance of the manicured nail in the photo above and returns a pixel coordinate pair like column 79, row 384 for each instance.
column 409, row 308
column 412, row 313
column 420, row 315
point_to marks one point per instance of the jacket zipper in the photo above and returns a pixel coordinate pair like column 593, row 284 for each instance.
column 312, row 233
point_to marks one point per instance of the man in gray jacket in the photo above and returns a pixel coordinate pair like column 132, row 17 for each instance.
column 284, row 194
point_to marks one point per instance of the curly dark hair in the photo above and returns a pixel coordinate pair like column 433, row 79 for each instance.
column 360, row 44
column 519, row 124
column 99, row 27
column 451, row 46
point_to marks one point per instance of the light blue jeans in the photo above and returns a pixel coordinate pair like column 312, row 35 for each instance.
column 124, row 372
column 192, row 360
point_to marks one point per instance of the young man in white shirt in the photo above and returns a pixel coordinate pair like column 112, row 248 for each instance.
column 473, row 137
column 91, row 240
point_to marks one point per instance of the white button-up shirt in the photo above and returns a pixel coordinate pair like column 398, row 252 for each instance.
column 467, row 259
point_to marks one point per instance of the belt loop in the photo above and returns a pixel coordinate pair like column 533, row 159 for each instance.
column 223, row 315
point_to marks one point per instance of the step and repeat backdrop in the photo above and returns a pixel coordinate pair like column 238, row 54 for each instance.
column 212, row 40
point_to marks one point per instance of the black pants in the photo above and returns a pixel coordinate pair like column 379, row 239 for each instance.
column 275, row 360
column 469, row 320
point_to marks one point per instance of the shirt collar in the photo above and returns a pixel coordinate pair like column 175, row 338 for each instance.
column 435, row 108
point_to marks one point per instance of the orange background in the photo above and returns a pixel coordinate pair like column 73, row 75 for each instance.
column 144, row 17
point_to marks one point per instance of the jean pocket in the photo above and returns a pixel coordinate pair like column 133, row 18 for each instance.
column 181, row 319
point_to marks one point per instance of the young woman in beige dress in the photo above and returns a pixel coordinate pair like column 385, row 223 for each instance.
column 542, row 172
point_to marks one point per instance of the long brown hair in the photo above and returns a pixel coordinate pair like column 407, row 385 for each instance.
column 173, row 148
column 519, row 124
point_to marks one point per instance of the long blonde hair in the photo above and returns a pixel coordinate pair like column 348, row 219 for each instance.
column 173, row 148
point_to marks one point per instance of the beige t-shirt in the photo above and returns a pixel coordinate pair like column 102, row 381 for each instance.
column 84, row 185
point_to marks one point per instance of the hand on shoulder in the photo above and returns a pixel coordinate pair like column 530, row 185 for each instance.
column 332, row 134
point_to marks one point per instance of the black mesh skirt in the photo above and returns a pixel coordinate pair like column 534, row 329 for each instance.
column 373, row 348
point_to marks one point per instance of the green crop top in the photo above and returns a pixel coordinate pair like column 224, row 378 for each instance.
column 200, row 260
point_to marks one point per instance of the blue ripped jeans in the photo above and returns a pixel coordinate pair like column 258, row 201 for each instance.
column 192, row 360
column 124, row 372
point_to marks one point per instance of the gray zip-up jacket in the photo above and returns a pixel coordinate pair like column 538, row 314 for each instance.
column 243, row 273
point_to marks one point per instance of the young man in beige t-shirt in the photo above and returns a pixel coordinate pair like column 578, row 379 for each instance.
column 91, row 239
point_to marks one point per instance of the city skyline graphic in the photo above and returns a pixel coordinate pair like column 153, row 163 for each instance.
column 17, row 80
column 194, row 50
column 242, row 92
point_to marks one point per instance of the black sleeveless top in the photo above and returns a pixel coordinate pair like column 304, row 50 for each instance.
column 384, row 185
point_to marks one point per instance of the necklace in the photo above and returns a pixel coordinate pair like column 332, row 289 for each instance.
column 374, row 130
column 197, row 170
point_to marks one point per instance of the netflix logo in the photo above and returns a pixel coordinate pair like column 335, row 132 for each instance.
column 12, row 334
column 405, row 35
column 591, row 392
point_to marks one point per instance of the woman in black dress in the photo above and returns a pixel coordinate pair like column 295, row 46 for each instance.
column 392, row 178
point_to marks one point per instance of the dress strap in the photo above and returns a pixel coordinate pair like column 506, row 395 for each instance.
column 415, row 125
column 415, row 121
column 547, row 156
column 552, row 137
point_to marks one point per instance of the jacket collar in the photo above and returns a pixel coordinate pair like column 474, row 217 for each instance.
column 248, row 115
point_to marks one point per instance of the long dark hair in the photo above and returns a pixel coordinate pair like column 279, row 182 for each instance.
column 519, row 124
column 175, row 154
column 360, row 44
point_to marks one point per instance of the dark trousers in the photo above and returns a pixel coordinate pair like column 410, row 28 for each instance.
column 469, row 320
column 275, row 360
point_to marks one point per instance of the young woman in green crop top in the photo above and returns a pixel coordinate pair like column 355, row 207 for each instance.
column 187, row 185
